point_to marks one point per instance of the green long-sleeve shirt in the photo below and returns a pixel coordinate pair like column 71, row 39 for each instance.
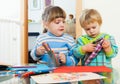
column 102, row 58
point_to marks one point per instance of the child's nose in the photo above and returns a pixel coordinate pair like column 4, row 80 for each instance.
column 91, row 30
column 62, row 23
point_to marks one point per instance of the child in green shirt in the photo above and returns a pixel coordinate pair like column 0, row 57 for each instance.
column 90, row 21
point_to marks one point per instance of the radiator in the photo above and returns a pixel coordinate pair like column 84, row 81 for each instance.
column 10, row 35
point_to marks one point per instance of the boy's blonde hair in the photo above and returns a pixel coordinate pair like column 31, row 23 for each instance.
column 52, row 12
column 89, row 16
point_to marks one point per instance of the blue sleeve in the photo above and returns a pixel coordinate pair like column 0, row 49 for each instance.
column 33, row 51
column 71, row 60
column 77, row 51
column 114, row 46
column 34, row 55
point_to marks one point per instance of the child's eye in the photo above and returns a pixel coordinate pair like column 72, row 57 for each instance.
column 57, row 22
column 87, row 29
column 94, row 27
column 63, row 21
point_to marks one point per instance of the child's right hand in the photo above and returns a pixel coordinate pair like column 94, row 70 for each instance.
column 40, row 50
column 90, row 47
column 62, row 58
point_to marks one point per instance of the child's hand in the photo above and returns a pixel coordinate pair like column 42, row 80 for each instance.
column 40, row 50
column 62, row 58
column 106, row 44
column 88, row 47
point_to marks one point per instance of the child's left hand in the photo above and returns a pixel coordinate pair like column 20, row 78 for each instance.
column 106, row 44
column 62, row 58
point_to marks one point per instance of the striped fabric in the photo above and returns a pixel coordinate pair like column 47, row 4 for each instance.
column 95, row 52
column 63, row 44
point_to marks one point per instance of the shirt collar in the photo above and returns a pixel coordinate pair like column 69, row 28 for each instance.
column 50, row 34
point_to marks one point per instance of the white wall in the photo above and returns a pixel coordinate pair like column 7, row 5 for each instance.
column 68, row 5
column 10, row 9
column 10, row 32
column 35, row 14
column 110, row 12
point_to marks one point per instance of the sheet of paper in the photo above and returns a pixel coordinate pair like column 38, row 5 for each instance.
column 65, row 77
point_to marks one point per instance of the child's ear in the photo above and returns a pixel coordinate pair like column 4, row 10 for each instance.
column 45, row 25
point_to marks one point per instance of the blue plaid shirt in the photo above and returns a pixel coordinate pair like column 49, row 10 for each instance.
column 101, row 58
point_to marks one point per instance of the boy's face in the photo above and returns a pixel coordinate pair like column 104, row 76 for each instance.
column 92, row 29
column 57, row 26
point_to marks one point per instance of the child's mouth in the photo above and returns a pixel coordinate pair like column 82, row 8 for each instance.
column 61, row 29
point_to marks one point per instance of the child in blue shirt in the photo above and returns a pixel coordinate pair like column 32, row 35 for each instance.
column 90, row 21
column 62, row 44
